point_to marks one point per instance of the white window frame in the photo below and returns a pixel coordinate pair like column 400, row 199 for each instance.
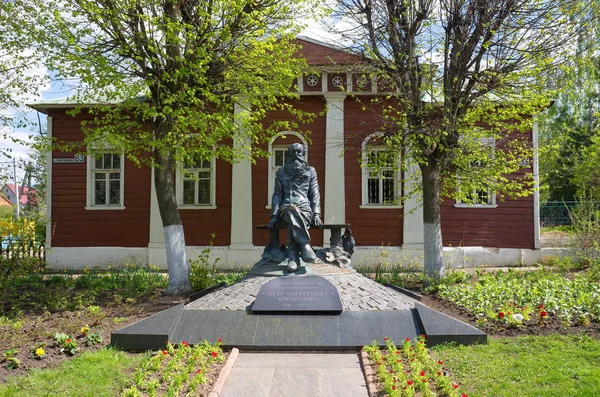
column 91, row 186
column 366, row 148
column 213, row 185
column 491, row 202
column 271, row 160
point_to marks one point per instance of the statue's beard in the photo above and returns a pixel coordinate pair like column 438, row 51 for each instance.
column 296, row 167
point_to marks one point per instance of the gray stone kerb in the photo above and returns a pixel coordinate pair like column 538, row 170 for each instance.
column 357, row 293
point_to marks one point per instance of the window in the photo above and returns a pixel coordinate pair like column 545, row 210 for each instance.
column 105, row 181
column 380, row 181
column 279, row 158
column 480, row 198
column 196, row 184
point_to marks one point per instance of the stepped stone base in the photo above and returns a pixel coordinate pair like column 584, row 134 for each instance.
column 371, row 312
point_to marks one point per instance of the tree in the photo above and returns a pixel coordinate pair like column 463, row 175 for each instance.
column 570, row 130
column 166, row 73
column 464, row 70
column 18, row 76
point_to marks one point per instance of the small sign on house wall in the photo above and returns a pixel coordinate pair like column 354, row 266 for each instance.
column 78, row 158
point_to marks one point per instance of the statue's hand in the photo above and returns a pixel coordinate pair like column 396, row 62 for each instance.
column 317, row 220
column 273, row 223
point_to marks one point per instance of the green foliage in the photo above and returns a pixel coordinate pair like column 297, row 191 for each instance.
column 410, row 370
column 10, row 360
column 585, row 220
column 67, row 344
column 180, row 369
column 569, row 130
column 527, row 366
column 400, row 269
column 73, row 291
column 539, row 293
column 100, row 373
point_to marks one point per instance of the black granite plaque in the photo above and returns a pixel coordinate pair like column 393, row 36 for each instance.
column 298, row 294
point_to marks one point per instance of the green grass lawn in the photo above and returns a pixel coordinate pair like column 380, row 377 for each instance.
column 101, row 373
column 527, row 366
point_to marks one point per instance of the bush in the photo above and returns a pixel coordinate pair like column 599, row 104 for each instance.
column 585, row 218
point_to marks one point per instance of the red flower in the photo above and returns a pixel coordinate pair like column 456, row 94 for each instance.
column 391, row 371
column 440, row 362
column 393, row 387
column 423, row 336
column 397, row 351
column 501, row 315
column 409, row 382
column 198, row 371
column 424, row 380
column 67, row 340
column 422, row 373
column 164, row 352
column 214, row 354
column 464, row 395
column 398, row 360
column 386, row 338
column 454, row 386
column 380, row 363
column 439, row 373
column 185, row 344
column 412, row 359
column 407, row 339
column 219, row 340
column 543, row 313
column 541, row 306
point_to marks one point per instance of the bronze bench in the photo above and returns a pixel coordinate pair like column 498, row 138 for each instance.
column 335, row 240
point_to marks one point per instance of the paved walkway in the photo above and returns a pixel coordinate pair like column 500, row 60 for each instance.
column 296, row 375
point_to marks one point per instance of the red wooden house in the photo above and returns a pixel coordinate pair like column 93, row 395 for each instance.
column 103, row 210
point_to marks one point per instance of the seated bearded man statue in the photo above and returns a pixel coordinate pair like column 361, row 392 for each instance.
column 295, row 205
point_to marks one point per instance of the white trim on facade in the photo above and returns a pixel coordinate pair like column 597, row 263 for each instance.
column 413, row 227
column 241, row 186
column 364, row 256
column 81, row 257
column 335, row 187
column 49, row 185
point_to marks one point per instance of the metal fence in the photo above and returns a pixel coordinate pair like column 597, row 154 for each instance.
column 556, row 213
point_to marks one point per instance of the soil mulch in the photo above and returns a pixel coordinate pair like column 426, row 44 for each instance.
column 37, row 328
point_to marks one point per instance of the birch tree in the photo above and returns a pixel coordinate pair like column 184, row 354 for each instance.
column 464, row 71
column 165, row 74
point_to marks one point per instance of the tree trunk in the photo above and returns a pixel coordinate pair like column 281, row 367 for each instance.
column 432, row 233
column 177, row 263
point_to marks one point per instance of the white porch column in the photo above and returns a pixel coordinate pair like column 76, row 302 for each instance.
column 157, row 255
column 335, row 197
column 413, row 209
column 241, row 186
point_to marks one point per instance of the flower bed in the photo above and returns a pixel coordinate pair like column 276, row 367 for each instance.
column 410, row 370
column 517, row 298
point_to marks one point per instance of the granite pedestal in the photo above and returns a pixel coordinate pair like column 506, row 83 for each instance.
column 370, row 312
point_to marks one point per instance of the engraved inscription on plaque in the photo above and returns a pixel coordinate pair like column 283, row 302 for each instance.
column 298, row 294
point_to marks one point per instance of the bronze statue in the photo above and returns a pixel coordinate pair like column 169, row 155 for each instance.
column 296, row 205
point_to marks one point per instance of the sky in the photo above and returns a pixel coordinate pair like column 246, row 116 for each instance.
column 20, row 152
